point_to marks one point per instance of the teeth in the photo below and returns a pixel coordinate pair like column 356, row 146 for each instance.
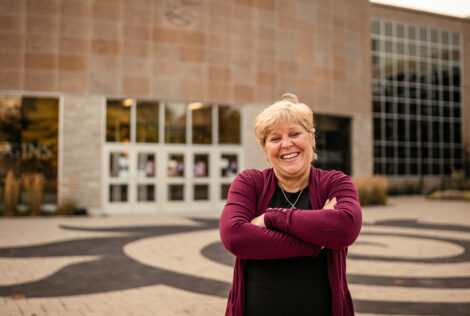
column 290, row 156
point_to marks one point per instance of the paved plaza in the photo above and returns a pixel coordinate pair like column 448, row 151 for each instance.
column 412, row 258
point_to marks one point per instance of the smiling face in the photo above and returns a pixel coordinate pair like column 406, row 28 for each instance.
column 289, row 148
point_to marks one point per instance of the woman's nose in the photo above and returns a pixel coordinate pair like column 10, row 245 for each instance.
column 286, row 142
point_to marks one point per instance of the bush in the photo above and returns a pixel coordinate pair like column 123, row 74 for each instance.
column 11, row 193
column 67, row 207
column 34, row 186
column 372, row 190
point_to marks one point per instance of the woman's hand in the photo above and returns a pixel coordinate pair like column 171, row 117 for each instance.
column 259, row 221
column 329, row 205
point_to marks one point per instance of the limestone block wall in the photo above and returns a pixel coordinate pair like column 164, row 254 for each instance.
column 81, row 136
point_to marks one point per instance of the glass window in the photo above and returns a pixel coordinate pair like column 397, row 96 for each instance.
column 377, row 129
column 118, row 193
column 228, row 165
column 202, row 122
column 147, row 122
column 201, row 165
column 146, row 192
column 175, row 165
column 146, row 165
column 445, row 37
column 224, row 188
column 229, row 125
column 377, row 151
column 118, row 120
column 175, row 123
column 176, row 192
column 411, row 32
column 388, row 29
column 118, row 165
column 29, row 140
column 375, row 27
column 400, row 31
column 434, row 36
column 455, row 39
column 201, row 192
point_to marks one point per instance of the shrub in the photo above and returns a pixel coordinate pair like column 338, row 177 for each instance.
column 11, row 193
column 372, row 190
column 67, row 207
column 33, row 184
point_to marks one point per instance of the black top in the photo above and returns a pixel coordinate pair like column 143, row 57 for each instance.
column 290, row 286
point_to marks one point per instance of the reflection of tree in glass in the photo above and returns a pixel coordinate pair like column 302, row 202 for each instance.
column 175, row 123
column 10, row 113
column 117, row 122
column 147, row 122
column 229, row 125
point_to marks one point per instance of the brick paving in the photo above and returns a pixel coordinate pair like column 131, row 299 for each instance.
column 412, row 258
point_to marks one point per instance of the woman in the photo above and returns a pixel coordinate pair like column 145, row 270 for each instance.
column 289, row 226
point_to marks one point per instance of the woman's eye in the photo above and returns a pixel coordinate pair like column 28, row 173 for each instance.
column 295, row 134
column 275, row 139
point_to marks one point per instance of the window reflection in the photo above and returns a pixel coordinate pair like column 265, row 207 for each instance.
column 146, row 165
column 201, row 123
column 228, row 165
column 118, row 193
column 118, row 165
column 118, row 118
column 146, row 192
column 147, row 122
column 176, row 165
column 224, row 191
column 175, row 123
column 29, row 139
column 176, row 192
column 229, row 125
column 201, row 165
column 201, row 192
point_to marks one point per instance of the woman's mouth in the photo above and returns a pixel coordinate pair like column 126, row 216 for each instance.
column 290, row 156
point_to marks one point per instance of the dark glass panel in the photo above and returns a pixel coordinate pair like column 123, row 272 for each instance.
column 390, row 151
column 424, row 131
column 434, row 36
column 423, row 93
column 436, row 132
column 118, row 193
column 147, row 118
column 413, row 108
column 378, row 168
column 390, row 168
column 413, row 169
column 446, row 95
column 389, row 129
column 388, row 46
column 447, row 169
column 378, row 151
column 377, row 129
column 436, row 94
column 412, row 91
column 445, row 37
column 425, row 169
column 456, row 76
column 455, row 55
column 446, row 111
column 413, row 130
column 402, row 168
column 413, row 152
column 374, row 43
column 423, row 34
column 175, row 123
column 457, row 133
column 402, row 151
column 456, row 97
column 435, row 110
column 228, row 165
column 377, row 106
column 436, row 170
column 401, row 130
column 455, row 39
column 229, row 124
column 400, row 91
column 457, row 153
column 176, row 192
column 436, row 152
column 201, row 122
column 224, row 188
column 118, row 118
column 401, row 107
column 388, row 29
column 447, row 153
column 201, row 192
column 456, row 111
column 446, row 132
column 400, row 31
column 424, row 151
column 146, row 192
column 389, row 106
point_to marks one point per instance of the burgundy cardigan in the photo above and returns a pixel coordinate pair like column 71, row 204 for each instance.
column 293, row 233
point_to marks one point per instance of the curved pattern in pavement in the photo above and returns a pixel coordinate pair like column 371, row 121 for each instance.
column 396, row 267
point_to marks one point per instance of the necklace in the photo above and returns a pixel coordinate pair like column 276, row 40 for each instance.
column 292, row 205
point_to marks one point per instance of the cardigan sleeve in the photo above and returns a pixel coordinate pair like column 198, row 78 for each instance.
column 248, row 241
column 332, row 228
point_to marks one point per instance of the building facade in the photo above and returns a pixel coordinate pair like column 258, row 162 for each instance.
column 148, row 106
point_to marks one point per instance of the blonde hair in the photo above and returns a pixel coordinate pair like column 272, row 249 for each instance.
column 288, row 109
